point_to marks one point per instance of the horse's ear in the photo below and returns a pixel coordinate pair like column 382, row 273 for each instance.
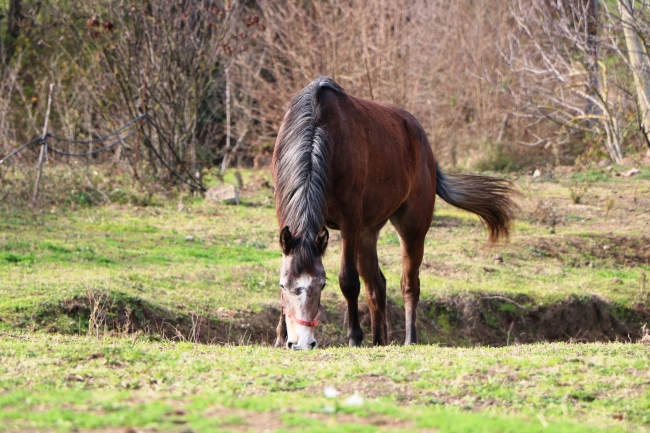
column 321, row 240
column 286, row 240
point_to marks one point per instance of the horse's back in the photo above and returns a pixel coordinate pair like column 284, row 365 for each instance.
column 380, row 156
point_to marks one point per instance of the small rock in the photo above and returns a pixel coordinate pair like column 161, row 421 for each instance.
column 354, row 400
column 223, row 193
column 189, row 238
column 627, row 161
column 617, row 280
column 330, row 392
column 631, row 172
column 74, row 378
column 537, row 174
column 606, row 247
column 604, row 163
column 564, row 170
column 498, row 258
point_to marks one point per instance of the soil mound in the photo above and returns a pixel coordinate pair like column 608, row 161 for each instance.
column 459, row 320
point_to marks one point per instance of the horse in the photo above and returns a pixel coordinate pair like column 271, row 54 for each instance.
column 350, row 164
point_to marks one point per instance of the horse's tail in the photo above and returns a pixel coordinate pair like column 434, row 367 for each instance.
column 488, row 197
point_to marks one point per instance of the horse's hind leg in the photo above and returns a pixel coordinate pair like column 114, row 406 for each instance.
column 349, row 282
column 375, row 284
column 412, row 223
column 281, row 337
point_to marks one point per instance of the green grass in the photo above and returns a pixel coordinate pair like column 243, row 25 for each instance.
column 52, row 261
column 68, row 383
column 233, row 261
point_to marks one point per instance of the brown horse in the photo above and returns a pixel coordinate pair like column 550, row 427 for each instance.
column 352, row 165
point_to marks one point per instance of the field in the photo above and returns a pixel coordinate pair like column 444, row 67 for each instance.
column 160, row 317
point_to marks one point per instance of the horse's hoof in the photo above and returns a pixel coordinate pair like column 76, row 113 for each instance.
column 355, row 338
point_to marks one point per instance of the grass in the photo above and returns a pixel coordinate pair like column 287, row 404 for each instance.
column 221, row 263
column 233, row 260
column 69, row 383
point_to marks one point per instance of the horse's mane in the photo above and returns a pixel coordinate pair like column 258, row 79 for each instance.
column 302, row 172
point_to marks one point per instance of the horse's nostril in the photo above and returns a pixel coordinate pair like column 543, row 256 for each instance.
column 313, row 344
column 289, row 344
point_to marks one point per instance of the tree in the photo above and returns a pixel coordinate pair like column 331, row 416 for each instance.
column 639, row 61
column 566, row 65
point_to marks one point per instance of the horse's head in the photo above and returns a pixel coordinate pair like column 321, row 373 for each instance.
column 302, row 279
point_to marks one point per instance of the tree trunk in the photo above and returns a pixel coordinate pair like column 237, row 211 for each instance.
column 639, row 61
column 226, row 150
column 13, row 27
column 592, row 57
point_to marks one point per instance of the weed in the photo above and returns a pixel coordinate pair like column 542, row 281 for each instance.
column 577, row 192
column 609, row 205
column 590, row 176
column 503, row 157
column 644, row 292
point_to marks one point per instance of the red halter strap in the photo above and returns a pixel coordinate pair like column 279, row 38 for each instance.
column 311, row 323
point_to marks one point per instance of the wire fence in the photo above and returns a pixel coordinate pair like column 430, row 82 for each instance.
column 117, row 138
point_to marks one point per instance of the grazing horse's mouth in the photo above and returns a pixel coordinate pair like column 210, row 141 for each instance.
column 294, row 346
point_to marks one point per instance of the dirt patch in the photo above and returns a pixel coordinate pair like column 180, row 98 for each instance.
column 452, row 222
column 370, row 386
column 458, row 320
column 244, row 421
column 583, row 251
column 240, row 420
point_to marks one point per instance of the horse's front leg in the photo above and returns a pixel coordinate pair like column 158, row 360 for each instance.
column 349, row 283
column 374, row 282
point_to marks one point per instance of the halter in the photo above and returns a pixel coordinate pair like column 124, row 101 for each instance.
column 312, row 323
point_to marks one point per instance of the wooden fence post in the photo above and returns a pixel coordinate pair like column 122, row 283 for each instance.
column 41, row 157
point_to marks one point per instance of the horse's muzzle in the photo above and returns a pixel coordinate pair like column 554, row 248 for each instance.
column 310, row 346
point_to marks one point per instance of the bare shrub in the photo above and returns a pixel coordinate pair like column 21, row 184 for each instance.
column 100, row 305
column 545, row 213
column 112, row 61
column 429, row 58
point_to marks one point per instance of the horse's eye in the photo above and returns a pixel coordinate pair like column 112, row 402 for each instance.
column 321, row 289
column 282, row 286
